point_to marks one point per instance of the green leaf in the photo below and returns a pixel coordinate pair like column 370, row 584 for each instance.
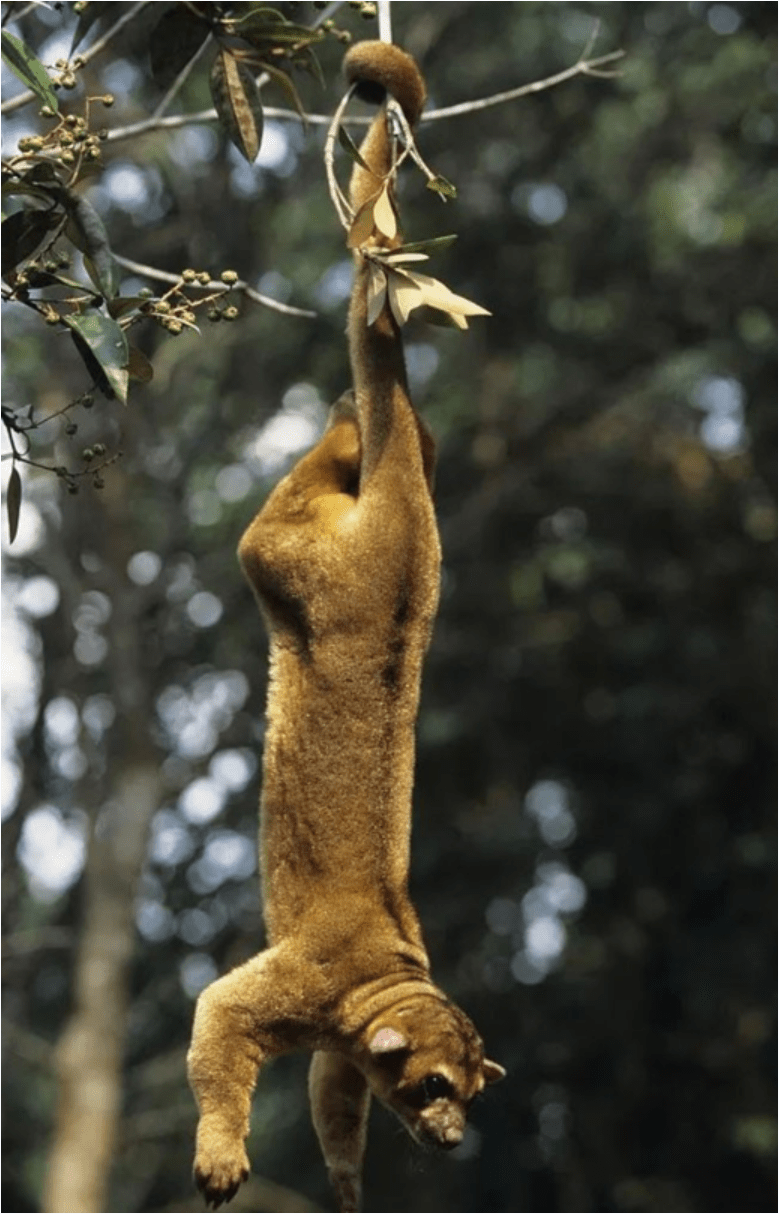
column 349, row 146
column 176, row 39
column 13, row 502
column 22, row 233
column 28, row 69
column 442, row 187
column 120, row 305
column 103, row 348
column 281, row 78
column 88, row 233
column 434, row 245
column 238, row 103
column 38, row 279
column 38, row 181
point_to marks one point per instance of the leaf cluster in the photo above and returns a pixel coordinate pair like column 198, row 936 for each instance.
column 374, row 234
column 250, row 39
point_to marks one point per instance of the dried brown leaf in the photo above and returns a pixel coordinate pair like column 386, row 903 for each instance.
column 384, row 214
column 238, row 103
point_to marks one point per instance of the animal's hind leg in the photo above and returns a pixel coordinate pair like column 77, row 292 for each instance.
column 332, row 466
column 308, row 502
column 340, row 1101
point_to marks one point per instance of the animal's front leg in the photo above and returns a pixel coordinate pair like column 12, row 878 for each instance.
column 227, row 1050
column 340, row 1100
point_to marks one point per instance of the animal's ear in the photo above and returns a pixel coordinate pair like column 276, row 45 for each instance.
column 387, row 1041
column 493, row 1071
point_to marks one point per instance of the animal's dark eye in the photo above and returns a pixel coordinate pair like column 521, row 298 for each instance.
column 436, row 1086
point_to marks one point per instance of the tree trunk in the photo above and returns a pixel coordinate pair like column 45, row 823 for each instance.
column 90, row 1051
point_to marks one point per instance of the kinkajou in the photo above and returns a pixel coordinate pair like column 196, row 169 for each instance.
column 344, row 559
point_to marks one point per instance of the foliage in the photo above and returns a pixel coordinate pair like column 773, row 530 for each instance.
column 593, row 848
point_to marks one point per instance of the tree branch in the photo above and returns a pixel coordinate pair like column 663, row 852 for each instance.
column 136, row 267
column 15, row 103
column 582, row 67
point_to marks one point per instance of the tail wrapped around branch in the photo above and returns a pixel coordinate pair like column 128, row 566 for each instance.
column 377, row 69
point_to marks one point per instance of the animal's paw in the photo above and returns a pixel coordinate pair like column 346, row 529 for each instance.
column 221, row 1165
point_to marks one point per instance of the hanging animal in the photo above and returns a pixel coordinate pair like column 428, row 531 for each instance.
column 344, row 559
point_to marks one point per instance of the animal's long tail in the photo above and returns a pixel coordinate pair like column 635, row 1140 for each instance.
column 376, row 350
column 378, row 69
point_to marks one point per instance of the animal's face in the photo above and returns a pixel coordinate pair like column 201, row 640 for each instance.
column 426, row 1063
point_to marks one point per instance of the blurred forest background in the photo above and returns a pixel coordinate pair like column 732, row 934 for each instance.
column 593, row 849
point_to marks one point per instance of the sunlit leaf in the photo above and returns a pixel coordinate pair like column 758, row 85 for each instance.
column 174, row 41
column 404, row 296
column 238, row 103
column 437, row 295
column 363, row 225
column 402, row 258
column 103, row 348
column 384, row 215
column 28, row 69
column 13, row 502
column 377, row 292
column 409, row 290
column 442, row 320
column 23, row 232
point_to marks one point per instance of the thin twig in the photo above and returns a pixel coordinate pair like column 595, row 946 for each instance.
column 180, row 79
column 342, row 207
column 135, row 267
column 582, row 67
column 15, row 103
column 9, row 14
column 101, row 43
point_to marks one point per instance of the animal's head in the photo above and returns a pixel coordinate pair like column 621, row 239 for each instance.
column 425, row 1061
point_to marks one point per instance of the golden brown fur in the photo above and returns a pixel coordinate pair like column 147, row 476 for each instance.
column 344, row 558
